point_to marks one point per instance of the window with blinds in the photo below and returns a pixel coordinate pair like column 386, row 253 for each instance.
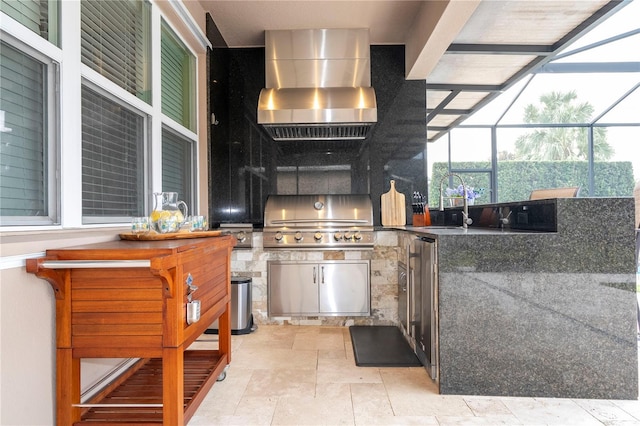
column 40, row 16
column 113, row 140
column 178, row 76
column 24, row 176
column 116, row 42
column 177, row 166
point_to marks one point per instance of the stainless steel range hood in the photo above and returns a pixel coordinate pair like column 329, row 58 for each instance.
column 318, row 85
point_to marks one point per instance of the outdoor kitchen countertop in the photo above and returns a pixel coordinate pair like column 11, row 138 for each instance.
column 539, row 314
column 458, row 230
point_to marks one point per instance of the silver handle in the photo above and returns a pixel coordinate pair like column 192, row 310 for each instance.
column 79, row 264
column 314, row 274
column 322, row 274
column 287, row 221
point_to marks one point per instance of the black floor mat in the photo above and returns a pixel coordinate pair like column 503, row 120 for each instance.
column 381, row 346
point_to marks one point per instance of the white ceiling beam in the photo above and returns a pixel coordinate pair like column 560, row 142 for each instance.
column 434, row 29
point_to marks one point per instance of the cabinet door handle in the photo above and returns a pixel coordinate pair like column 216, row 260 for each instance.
column 322, row 272
column 314, row 274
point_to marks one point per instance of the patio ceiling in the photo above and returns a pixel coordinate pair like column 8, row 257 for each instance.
column 501, row 43
column 469, row 52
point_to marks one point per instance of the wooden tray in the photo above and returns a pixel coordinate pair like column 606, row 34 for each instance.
column 154, row 236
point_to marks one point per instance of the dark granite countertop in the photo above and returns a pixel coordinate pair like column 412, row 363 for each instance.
column 459, row 230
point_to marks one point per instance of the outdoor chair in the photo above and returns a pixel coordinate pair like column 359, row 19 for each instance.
column 568, row 192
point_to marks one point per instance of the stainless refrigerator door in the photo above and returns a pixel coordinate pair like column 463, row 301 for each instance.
column 428, row 338
column 415, row 291
column 403, row 296
column 423, row 304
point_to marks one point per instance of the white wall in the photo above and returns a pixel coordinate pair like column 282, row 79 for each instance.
column 27, row 328
column 27, row 333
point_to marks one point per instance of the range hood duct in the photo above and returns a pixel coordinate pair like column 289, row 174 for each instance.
column 318, row 85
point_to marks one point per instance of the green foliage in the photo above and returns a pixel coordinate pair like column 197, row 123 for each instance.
column 614, row 179
column 516, row 179
column 560, row 143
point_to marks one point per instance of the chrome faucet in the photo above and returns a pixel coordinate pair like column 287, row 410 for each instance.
column 504, row 220
column 466, row 221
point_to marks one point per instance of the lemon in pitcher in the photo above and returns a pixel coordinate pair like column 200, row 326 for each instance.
column 167, row 215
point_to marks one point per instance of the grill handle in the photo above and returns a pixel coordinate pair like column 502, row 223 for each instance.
column 287, row 221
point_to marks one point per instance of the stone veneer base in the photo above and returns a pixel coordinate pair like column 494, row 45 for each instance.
column 384, row 282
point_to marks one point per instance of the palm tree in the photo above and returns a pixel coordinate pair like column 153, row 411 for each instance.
column 561, row 143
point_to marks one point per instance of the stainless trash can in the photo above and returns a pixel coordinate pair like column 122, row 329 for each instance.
column 241, row 316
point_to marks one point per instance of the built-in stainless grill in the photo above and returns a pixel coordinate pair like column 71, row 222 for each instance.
column 318, row 222
column 243, row 233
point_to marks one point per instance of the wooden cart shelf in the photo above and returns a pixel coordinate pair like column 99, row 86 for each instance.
column 137, row 398
column 128, row 299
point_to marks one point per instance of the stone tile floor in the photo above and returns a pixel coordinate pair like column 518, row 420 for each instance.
column 306, row 375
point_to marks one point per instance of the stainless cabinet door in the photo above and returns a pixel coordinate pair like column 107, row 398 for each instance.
column 293, row 289
column 344, row 288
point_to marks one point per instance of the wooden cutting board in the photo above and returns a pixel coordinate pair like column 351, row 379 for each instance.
column 392, row 207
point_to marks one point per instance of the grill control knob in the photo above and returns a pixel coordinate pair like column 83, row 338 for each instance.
column 241, row 236
column 337, row 236
column 279, row 236
column 317, row 236
column 348, row 235
column 298, row 236
column 357, row 236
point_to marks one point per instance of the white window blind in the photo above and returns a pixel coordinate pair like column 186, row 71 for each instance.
column 112, row 160
column 116, row 43
column 178, row 68
column 40, row 16
column 23, row 136
column 177, row 169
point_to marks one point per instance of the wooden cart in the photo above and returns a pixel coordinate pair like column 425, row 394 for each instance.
column 128, row 299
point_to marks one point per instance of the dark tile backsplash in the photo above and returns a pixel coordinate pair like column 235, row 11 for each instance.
column 537, row 215
column 246, row 165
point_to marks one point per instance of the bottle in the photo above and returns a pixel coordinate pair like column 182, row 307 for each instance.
column 427, row 215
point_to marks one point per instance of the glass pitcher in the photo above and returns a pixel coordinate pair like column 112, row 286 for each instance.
column 168, row 213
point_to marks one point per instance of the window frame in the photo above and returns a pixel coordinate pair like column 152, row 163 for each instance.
column 144, row 150
column 101, row 62
column 53, row 21
column 51, row 147
column 191, row 158
column 190, row 102
column 72, row 74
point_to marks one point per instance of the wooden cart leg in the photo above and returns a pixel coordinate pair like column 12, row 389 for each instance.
column 67, row 387
column 224, row 332
column 173, row 386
